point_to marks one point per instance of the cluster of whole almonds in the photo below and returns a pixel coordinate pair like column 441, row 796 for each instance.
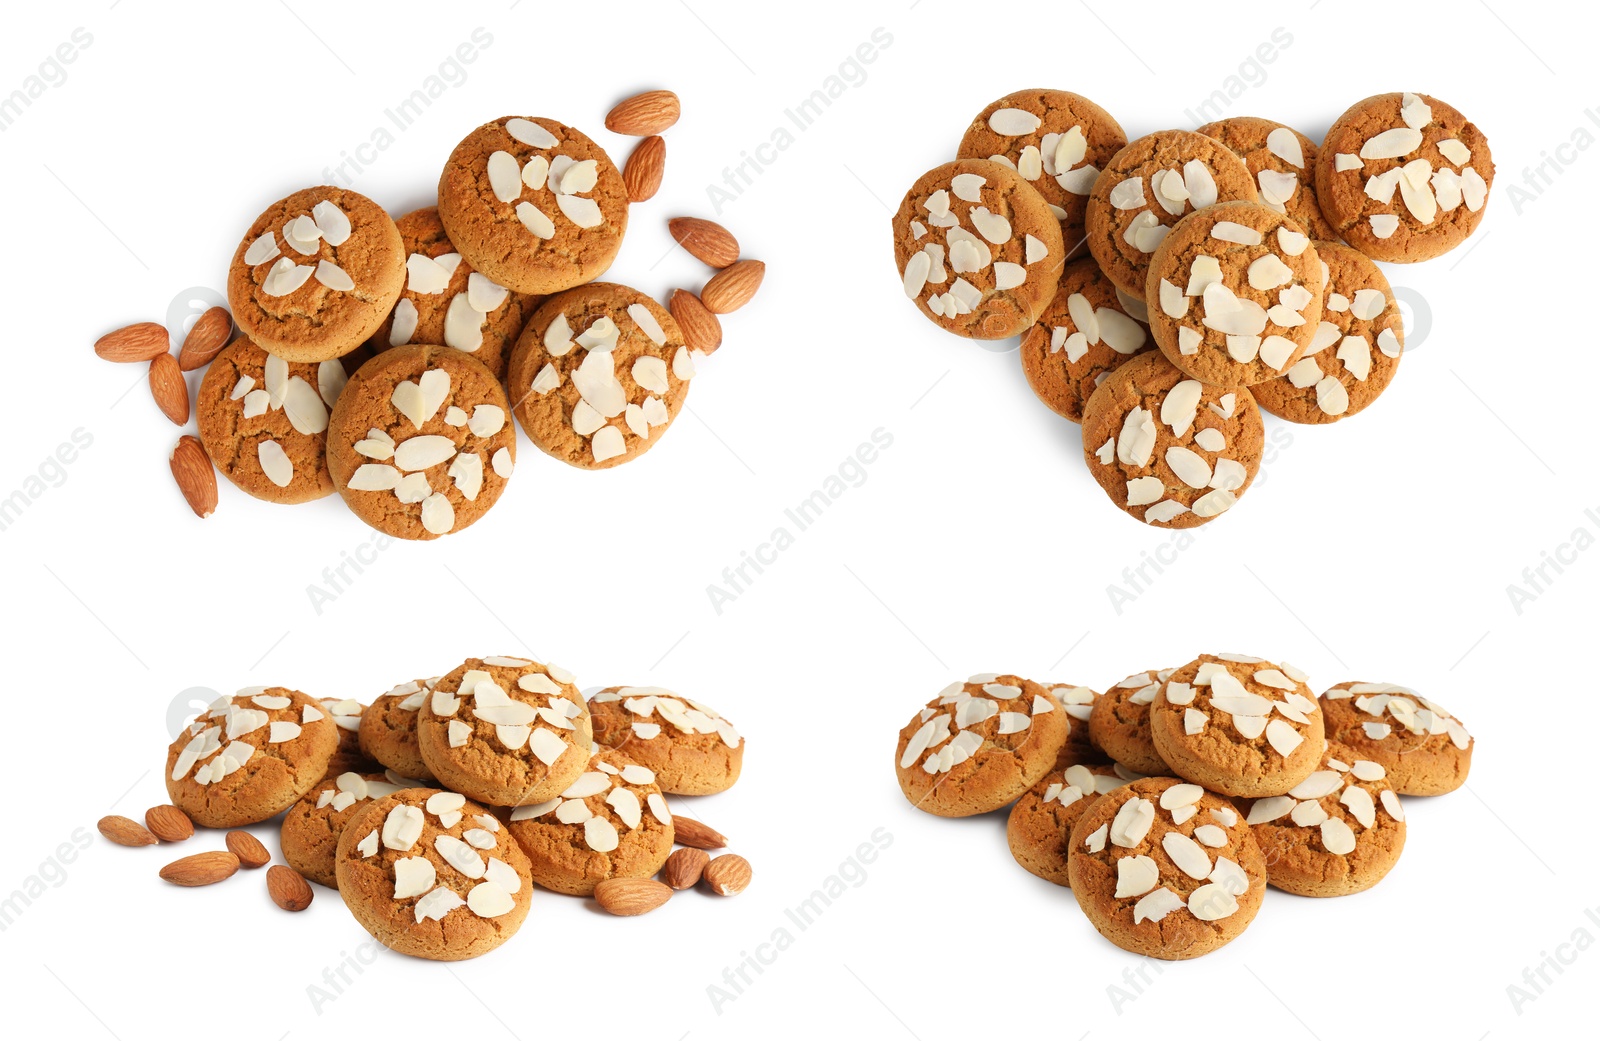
column 168, row 824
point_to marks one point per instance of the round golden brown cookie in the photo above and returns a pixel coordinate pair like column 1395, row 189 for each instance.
column 433, row 875
column 388, row 732
column 263, row 421
column 533, row 204
column 1147, row 187
column 978, row 745
column 1425, row 749
column 1361, row 321
column 1083, row 335
column 1041, row 821
column 446, row 301
column 1283, row 162
column 1403, row 177
column 1078, row 704
column 311, row 829
column 1337, row 832
column 316, row 274
column 599, row 374
column 1167, row 449
column 1166, row 869
column 1057, row 141
column 689, row 746
column 506, row 731
column 1235, row 294
column 1238, row 725
column 421, row 443
column 611, row 823
column 978, row 250
column 249, row 757
column 1120, row 724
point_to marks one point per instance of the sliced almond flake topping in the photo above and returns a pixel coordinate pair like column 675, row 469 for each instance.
column 531, row 133
column 1145, row 490
column 436, row 904
column 275, row 463
column 263, row 249
column 1414, row 112
column 1391, row 803
column 1212, row 902
column 1137, row 441
column 1392, row 144
column 1189, row 466
column 1136, row 876
column 1211, row 835
column 1189, row 856
column 1132, row 822
column 1164, row 512
column 1156, row 905
column 1128, row 194
column 1285, row 144
column 1188, row 341
column 600, row 834
column 1337, row 838
column 1455, row 151
column 967, row 187
column 1174, row 304
column 505, row 176
column 1383, row 224
column 1211, row 439
column 1013, row 122
column 1201, row 184
column 285, row 277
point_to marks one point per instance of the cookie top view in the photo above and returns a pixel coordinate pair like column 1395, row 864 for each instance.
column 1283, row 162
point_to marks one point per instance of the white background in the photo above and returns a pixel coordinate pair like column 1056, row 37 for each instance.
column 1377, row 549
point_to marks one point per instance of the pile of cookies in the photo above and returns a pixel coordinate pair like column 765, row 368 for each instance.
column 384, row 359
column 1169, row 289
column 436, row 809
column 1171, row 801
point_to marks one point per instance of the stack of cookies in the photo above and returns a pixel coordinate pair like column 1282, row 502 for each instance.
column 1172, row 800
column 1169, row 289
column 436, row 809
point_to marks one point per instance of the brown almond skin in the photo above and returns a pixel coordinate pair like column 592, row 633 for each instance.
column 690, row 832
column 168, row 823
column 140, row 341
column 684, row 868
column 631, row 896
column 732, row 287
column 201, row 869
column 195, row 476
column 248, row 848
column 167, row 386
column 288, row 888
column 208, row 335
column 705, row 240
column 644, row 114
column 125, row 831
column 645, row 167
column 701, row 329
column 727, row 875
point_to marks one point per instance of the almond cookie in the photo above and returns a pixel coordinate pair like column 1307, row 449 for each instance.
column 1361, row 321
column 1425, row 749
column 979, row 745
column 1283, row 162
column 1337, row 832
column 978, row 249
column 1120, row 724
column 316, row 274
column 1041, row 821
column 311, row 829
column 1235, row 292
column 1166, row 869
column 388, row 732
column 433, row 875
column 421, row 443
column 1147, row 187
column 446, row 301
column 249, row 757
column 533, row 204
column 1056, row 141
column 1078, row 703
column 346, row 715
column 1167, row 449
column 611, row 823
column 1083, row 335
column 599, row 374
column 506, row 731
column 1238, row 725
column 1403, row 177
column 689, row 746
column 263, row 421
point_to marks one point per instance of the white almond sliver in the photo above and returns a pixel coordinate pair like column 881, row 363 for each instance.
column 1013, row 122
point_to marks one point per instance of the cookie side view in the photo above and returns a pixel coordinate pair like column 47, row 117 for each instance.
column 1424, row 749
column 691, row 748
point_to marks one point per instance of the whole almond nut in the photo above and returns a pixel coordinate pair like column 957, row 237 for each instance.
column 140, row 341
column 197, row 480
column 690, row 832
column 125, row 832
column 682, row 870
column 644, row 114
column 248, row 848
column 631, row 896
column 728, row 875
column 169, row 389
column 732, row 287
column 643, row 171
column 701, row 329
column 201, row 869
column 705, row 240
column 207, row 336
column 168, row 823
column 288, row 888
